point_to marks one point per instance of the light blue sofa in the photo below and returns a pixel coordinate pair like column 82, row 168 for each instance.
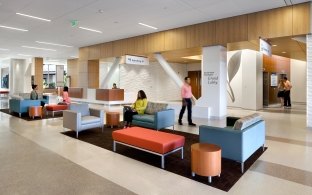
column 21, row 105
column 156, row 116
column 239, row 142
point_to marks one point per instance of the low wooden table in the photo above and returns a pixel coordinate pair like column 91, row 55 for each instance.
column 112, row 119
column 206, row 160
column 35, row 111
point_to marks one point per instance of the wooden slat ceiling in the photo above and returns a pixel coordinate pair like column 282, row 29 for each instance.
column 294, row 49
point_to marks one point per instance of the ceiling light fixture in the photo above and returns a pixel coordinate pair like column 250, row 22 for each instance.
column 284, row 52
column 2, row 49
column 274, row 45
column 73, row 56
column 33, row 17
column 13, row 28
column 56, row 44
column 89, row 29
column 148, row 26
column 26, row 55
column 38, row 48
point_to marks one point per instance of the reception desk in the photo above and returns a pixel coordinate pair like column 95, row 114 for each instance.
column 110, row 94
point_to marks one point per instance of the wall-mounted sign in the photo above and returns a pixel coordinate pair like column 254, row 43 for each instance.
column 273, row 80
column 137, row 60
column 265, row 48
column 212, row 77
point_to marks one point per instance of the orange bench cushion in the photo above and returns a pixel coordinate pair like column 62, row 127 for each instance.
column 56, row 107
column 151, row 140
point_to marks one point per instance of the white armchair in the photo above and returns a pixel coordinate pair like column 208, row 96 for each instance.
column 80, row 117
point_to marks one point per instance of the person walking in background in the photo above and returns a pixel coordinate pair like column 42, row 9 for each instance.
column 138, row 107
column 186, row 93
column 281, row 91
column 287, row 86
column 114, row 86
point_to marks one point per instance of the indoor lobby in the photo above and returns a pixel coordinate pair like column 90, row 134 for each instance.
column 235, row 53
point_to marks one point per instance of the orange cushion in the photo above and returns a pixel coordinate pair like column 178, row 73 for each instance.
column 56, row 107
column 151, row 140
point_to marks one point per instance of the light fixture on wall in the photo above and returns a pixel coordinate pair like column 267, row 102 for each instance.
column 34, row 17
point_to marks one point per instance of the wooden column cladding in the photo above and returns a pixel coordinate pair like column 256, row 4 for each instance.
column 38, row 80
column 93, row 73
column 72, row 71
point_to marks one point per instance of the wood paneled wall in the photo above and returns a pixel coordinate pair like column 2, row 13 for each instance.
column 72, row 71
column 38, row 80
column 285, row 21
column 93, row 73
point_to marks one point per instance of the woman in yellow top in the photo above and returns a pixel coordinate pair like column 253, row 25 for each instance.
column 138, row 107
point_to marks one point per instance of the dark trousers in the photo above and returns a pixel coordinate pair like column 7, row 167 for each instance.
column 186, row 102
column 287, row 98
column 128, row 116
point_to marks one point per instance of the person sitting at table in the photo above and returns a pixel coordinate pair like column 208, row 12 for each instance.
column 114, row 86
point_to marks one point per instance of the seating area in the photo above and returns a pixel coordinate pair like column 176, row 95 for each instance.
column 156, row 116
column 239, row 140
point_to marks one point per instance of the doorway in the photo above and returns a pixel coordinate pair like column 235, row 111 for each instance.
column 195, row 77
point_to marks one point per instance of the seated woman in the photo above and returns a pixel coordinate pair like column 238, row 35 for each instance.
column 34, row 94
column 66, row 98
column 138, row 107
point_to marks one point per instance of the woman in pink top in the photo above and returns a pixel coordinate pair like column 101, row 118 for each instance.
column 66, row 98
column 186, row 93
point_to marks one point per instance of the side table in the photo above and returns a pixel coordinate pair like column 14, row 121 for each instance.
column 206, row 160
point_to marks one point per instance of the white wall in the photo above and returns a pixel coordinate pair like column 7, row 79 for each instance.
column 247, row 85
column 157, row 85
column 298, row 75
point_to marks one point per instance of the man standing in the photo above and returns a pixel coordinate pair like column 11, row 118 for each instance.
column 287, row 87
column 186, row 93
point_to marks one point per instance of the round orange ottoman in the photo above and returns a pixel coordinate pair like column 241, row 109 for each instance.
column 206, row 160
column 112, row 119
column 35, row 111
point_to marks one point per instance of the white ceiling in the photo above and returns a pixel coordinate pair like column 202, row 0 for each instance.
column 119, row 20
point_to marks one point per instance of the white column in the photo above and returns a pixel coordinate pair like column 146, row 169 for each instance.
column 309, row 80
column 110, row 73
column 213, row 83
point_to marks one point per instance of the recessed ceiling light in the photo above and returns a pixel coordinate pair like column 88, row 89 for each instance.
column 26, row 55
column 148, row 26
column 284, row 52
column 33, row 17
column 74, row 56
column 38, row 48
column 274, row 45
column 56, row 44
column 13, row 28
column 2, row 49
column 89, row 29
column 197, row 57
